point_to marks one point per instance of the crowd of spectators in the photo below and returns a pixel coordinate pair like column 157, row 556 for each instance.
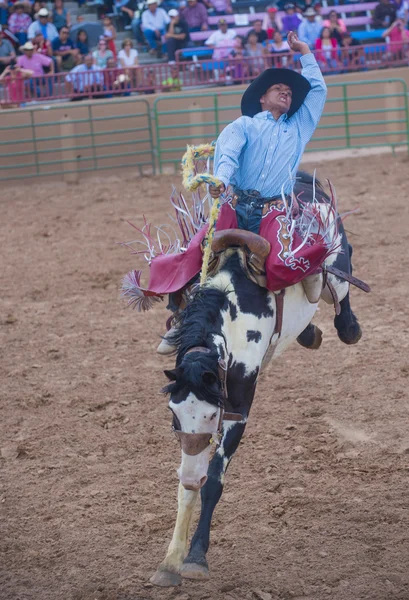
column 36, row 40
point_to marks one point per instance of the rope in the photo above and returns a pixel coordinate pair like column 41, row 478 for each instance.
column 191, row 182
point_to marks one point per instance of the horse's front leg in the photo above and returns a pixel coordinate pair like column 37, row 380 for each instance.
column 195, row 564
column 167, row 574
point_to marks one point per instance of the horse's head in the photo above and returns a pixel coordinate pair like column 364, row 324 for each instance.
column 197, row 408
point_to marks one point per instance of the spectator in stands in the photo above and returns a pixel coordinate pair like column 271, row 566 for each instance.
column 403, row 11
column 7, row 53
column 13, row 80
column 43, row 47
column 280, row 49
column 110, row 35
column 258, row 31
column 336, row 25
column 309, row 30
column 255, row 51
column 272, row 22
column 384, row 14
column 219, row 7
column 101, row 54
column 351, row 57
column 177, row 34
column 82, row 42
column 60, row 16
column 326, row 47
column 128, row 56
column 42, row 26
column 34, row 61
column 85, row 79
column 318, row 17
column 173, row 83
column 291, row 20
column 19, row 22
column 195, row 15
column 278, row 45
column 67, row 56
column 222, row 37
column 398, row 38
column 127, row 12
column 154, row 22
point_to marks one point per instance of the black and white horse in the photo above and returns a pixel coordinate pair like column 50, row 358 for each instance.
column 226, row 336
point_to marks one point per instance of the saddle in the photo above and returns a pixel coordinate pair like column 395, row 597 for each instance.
column 253, row 251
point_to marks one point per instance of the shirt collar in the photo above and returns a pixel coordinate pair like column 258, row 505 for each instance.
column 266, row 114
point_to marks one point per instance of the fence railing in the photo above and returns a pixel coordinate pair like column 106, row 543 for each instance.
column 52, row 142
column 207, row 72
column 102, row 135
column 350, row 120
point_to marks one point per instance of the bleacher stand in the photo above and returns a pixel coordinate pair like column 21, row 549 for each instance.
column 363, row 32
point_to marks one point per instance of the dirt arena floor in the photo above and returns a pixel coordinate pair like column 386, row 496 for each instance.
column 316, row 499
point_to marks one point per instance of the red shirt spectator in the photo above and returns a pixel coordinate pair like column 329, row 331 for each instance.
column 326, row 46
column 397, row 35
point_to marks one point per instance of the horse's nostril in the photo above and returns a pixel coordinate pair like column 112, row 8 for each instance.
column 203, row 481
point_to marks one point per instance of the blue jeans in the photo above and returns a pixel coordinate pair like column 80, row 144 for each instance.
column 22, row 37
column 151, row 38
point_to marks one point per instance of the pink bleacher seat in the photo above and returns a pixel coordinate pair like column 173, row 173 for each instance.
column 231, row 18
column 348, row 8
column 199, row 36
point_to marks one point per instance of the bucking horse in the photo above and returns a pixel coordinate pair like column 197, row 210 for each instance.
column 227, row 333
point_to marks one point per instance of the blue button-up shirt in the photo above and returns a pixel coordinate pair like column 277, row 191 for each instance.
column 263, row 154
column 309, row 32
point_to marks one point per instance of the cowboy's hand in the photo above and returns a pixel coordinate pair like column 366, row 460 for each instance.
column 216, row 191
column 296, row 45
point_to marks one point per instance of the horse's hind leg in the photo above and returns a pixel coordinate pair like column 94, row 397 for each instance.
column 347, row 326
column 195, row 564
column 167, row 574
column 346, row 323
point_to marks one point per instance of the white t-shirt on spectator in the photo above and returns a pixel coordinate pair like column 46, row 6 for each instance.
column 218, row 36
column 128, row 60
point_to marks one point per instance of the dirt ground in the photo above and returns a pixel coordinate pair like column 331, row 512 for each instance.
column 316, row 500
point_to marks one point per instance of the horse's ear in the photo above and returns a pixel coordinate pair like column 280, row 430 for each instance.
column 209, row 378
column 171, row 375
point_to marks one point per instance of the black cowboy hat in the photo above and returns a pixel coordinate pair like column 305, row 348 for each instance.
column 250, row 102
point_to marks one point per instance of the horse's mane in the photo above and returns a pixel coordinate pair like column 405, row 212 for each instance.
column 196, row 325
column 197, row 321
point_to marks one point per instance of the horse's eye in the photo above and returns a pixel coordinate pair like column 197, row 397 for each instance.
column 214, row 415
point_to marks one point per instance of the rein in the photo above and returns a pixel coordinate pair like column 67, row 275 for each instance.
column 194, row 443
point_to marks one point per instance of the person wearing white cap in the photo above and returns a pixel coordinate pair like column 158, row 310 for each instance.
column 43, row 26
column 154, row 21
column 177, row 35
column 309, row 30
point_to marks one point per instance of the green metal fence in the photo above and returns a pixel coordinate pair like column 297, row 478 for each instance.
column 54, row 141
column 46, row 141
column 342, row 125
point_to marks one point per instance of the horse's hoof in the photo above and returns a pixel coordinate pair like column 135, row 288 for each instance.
column 194, row 571
column 352, row 335
column 311, row 337
column 165, row 578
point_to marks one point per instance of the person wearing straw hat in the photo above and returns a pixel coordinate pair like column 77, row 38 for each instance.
column 43, row 26
column 310, row 29
column 154, row 22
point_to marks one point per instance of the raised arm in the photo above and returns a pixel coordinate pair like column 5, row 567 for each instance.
column 228, row 149
column 308, row 116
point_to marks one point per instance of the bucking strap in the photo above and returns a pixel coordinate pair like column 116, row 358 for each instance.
column 353, row 280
